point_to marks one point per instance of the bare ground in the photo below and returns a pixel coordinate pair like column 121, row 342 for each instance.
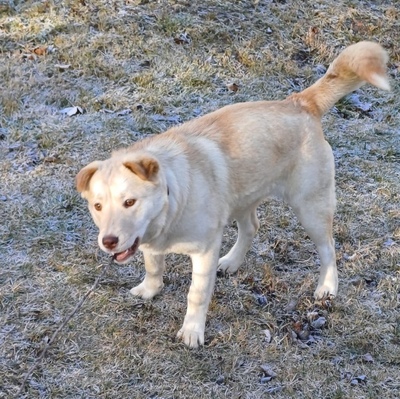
column 136, row 68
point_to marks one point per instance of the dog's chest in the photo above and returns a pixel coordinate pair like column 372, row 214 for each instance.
column 185, row 246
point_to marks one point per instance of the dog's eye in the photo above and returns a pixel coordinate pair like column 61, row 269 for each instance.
column 129, row 202
column 97, row 206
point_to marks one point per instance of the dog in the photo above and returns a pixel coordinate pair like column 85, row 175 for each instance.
column 176, row 191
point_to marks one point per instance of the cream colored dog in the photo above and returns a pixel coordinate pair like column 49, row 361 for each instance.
column 175, row 192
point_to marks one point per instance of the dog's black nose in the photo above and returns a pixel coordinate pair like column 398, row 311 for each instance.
column 110, row 242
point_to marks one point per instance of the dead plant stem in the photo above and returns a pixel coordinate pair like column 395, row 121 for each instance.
column 62, row 325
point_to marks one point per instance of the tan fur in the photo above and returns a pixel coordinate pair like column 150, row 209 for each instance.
column 146, row 168
column 190, row 181
column 357, row 64
column 83, row 177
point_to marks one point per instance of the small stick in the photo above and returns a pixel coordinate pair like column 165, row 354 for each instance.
column 62, row 325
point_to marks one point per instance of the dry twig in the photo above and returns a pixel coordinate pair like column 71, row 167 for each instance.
column 62, row 325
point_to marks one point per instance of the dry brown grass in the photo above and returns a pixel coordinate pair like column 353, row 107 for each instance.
column 168, row 61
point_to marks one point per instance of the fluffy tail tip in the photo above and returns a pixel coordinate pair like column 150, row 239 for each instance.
column 380, row 81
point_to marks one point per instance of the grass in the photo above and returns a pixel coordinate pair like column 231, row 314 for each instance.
column 167, row 62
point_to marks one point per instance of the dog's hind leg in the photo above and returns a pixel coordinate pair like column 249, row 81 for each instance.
column 248, row 225
column 317, row 217
column 153, row 280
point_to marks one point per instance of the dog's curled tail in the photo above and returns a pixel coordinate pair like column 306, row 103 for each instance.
column 357, row 64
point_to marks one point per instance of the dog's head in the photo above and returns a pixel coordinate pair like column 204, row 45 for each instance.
column 125, row 194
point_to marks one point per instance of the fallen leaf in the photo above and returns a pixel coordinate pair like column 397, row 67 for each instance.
column 183, row 38
column 361, row 378
column 355, row 380
column 261, row 300
column 52, row 159
column 319, row 322
column 51, row 49
column 311, row 36
column 368, row 358
column 124, row 112
column 268, row 336
column 389, row 242
column 62, row 66
column 29, row 56
column 41, row 50
column 71, row 111
column 346, row 376
column 145, row 64
column 304, row 335
column 292, row 305
column 267, row 370
column 233, row 87
column 311, row 316
column 220, row 380
column 265, row 379
column 297, row 326
column 355, row 100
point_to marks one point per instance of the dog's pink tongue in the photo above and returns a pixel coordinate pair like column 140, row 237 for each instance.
column 122, row 255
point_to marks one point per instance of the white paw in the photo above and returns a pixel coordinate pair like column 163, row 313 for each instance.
column 325, row 290
column 228, row 264
column 192, row 334
column 145, row 291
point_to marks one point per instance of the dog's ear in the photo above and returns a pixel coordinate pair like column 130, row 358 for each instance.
column 85, row 174
column 146, row 168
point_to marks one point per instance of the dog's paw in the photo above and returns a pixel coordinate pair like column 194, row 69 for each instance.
column 144, row 291
column 229, row 265
column 325, row 291
column 192, row 335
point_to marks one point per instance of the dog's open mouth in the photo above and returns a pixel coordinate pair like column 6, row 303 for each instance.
column 123, row 256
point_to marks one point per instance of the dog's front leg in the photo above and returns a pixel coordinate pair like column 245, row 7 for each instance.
column 153, row 280
column 200, row 292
